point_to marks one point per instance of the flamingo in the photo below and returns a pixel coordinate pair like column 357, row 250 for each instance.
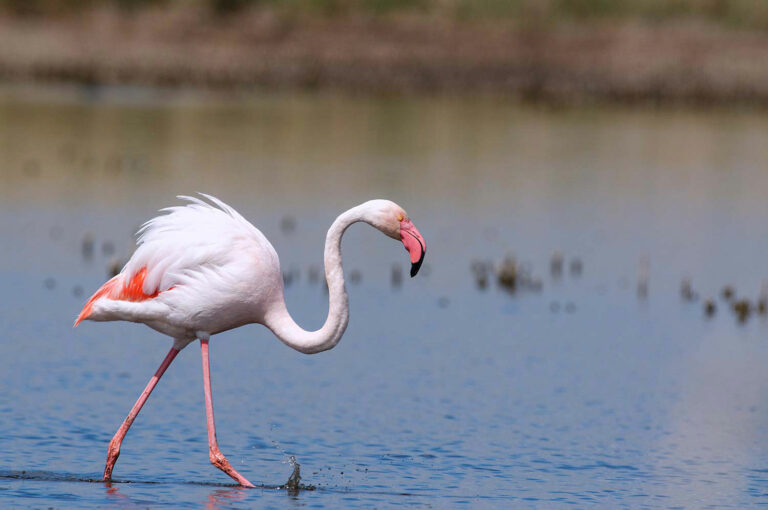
column 202, row 268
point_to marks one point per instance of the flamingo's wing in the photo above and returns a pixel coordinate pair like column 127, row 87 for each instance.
column 194, row 242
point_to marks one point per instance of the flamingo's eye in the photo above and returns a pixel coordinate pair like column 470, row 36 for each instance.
column 399, row 217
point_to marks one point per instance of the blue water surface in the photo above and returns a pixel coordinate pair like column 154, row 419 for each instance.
column 441, row 394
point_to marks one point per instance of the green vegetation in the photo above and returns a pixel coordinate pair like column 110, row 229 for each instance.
column 736, row 13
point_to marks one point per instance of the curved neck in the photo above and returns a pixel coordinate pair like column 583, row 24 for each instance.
column 309, row 342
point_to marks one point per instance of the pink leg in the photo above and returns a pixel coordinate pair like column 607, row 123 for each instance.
column 217, row 458
column 114, row 446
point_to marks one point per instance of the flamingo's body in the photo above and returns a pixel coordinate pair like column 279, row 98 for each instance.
column 202, row 269
column 198, row 268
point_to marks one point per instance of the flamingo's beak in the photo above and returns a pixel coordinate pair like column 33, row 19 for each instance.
column 414, row 243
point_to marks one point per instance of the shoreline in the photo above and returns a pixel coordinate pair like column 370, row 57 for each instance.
column 622, row 63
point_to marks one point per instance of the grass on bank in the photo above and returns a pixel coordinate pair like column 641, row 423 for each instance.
column 735, row 13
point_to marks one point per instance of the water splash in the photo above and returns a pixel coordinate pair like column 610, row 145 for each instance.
column 294, row 485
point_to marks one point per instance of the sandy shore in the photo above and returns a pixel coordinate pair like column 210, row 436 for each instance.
column 626, row 62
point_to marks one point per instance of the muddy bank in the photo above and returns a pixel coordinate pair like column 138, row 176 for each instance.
column 689, row 62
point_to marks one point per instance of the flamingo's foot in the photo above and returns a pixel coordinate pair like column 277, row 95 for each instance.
column 112, row 454
column 220, row 461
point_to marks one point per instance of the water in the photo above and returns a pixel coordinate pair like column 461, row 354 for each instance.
column 440, row 394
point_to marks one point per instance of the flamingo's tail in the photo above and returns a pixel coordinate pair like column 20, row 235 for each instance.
column 119, row 288
column 110, row 290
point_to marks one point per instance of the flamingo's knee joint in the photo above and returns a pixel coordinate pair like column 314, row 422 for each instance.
column 218, row 459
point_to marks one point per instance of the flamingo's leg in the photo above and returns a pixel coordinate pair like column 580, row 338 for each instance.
column 114, row 446
column 217, row 458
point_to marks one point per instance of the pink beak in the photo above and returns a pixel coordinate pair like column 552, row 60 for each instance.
column 414, row 243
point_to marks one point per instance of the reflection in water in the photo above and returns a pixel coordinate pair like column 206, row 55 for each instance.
column 114, row 496
column 287, row 150
column 715, row 424
column 225, row 498
column 217, row 498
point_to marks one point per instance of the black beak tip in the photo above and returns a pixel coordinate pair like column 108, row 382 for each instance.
column 417, row 265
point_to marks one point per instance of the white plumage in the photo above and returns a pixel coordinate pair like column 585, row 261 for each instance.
column 208, row 267
column 175, row 247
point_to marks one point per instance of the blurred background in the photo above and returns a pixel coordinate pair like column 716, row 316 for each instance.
column 573, row 51
column 589, row 326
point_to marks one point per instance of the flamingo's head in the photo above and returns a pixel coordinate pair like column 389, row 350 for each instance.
column 393, row 221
